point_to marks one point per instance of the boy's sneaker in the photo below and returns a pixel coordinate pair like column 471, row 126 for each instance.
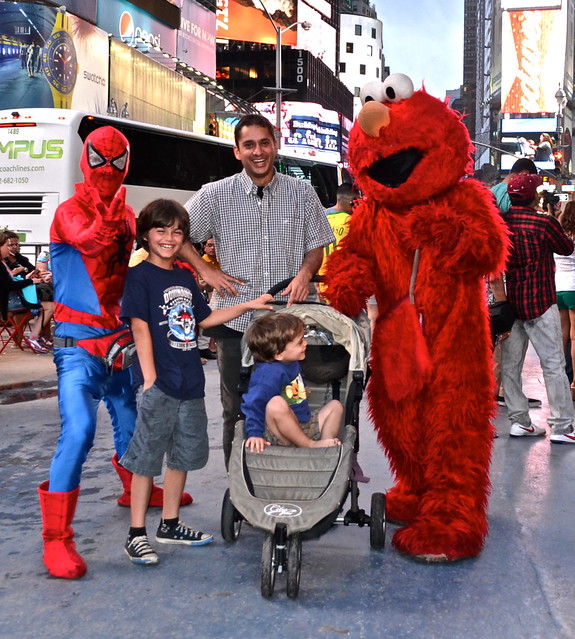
column 139, row 551
column 181, row 534
column 518, row 430
column 564, row 438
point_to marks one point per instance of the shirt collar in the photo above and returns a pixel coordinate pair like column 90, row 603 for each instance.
column 249, row 187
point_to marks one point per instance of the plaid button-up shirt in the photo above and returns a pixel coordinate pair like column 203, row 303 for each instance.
column 261, row 241
column 531, row 268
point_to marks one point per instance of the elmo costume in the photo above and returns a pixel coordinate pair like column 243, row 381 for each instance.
column 422, row 240
column 91, row 240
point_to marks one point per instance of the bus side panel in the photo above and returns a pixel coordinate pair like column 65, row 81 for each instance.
column 39, row 166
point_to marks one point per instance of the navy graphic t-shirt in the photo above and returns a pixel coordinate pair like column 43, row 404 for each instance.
column 171, row 303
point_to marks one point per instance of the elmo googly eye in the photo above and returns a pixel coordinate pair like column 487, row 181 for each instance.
column 397, row 87
column 372, row 91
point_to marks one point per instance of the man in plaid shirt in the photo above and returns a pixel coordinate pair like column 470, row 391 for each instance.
column 268, row 227
column 531, row 292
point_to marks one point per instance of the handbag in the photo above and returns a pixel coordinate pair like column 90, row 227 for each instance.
column 28, row 293
column 16, row 301
column 501, row 318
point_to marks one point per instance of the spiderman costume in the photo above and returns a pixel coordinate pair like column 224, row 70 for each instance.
column 90, row 243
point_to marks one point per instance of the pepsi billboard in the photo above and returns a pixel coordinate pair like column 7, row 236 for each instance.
column 135, row 27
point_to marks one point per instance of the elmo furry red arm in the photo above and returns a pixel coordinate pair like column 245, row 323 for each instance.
column 463, row 230
column 349, row 273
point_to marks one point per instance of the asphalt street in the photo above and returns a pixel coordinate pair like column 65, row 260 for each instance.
column 521, row 586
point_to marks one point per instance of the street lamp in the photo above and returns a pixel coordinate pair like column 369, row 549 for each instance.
column 306, row 26
column 561, row 103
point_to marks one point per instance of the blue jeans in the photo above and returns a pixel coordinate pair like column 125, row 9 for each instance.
column 545, row 334
column 82, row 384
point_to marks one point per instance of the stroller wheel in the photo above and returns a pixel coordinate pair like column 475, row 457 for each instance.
column 377, row 521
column 269, row 565
column 231, row 522
column 293, row 565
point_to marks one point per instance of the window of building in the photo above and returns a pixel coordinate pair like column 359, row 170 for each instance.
column 362, row 69
column 349, row 47
column 369, row 50
column 342, row 67
column 356, row 92
column 358, row 29
column 377, row 73
column 373, row 33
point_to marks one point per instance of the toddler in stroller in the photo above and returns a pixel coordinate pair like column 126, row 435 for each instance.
column 275, row 406
column 296, row 493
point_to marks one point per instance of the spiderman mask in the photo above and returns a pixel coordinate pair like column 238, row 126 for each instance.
column 105, row 160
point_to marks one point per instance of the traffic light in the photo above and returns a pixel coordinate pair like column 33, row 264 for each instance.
column 558, row 157
column 213, row 127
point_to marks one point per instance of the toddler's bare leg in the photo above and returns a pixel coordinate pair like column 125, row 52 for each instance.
column 330, row 418
column 282, row 422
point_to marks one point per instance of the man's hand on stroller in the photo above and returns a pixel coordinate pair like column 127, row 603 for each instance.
column 297, row 290
column 256, row 444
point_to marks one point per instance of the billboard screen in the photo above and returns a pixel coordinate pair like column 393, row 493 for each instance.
column 35, row 76
column 533, row 57
column 134, row 25
column 308, row 129
column 320, row 40
column 247, row 20
column 83, row 8
column 514, row 5
column 196, row 43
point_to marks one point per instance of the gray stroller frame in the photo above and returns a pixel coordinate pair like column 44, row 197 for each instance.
column 293, row 493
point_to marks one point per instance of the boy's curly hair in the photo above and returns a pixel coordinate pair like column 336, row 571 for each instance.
column 269, row 335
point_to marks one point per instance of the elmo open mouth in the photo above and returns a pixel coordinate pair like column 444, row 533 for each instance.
column 395, row 169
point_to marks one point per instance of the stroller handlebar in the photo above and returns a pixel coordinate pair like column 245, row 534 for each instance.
column 274, row 290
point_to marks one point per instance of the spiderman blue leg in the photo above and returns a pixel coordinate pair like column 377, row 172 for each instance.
column 81, row 383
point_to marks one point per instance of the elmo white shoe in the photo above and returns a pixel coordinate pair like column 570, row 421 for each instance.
column 518, row 430
column 563, row 438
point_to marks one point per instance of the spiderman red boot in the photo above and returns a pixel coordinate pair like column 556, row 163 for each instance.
column 60, row 556
column 157, row 496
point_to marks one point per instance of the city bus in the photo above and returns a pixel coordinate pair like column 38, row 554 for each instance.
column 40, row 153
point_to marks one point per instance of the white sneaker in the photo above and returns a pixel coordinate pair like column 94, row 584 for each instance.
column 563, row 438
column 518, row 430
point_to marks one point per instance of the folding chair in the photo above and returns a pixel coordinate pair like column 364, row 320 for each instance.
column 18, row 316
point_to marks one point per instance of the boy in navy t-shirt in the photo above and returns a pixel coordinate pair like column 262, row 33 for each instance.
column 275, row 406
column 165, row 309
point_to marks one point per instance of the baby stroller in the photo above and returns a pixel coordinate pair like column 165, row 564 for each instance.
column 294, row 494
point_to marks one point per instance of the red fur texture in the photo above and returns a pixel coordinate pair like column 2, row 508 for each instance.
column 431, row 393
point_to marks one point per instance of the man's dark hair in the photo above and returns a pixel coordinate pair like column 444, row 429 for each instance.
column 269, row 335
column 523, row 164
column 253, row 119
column 161, row 214
column 347, row 190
